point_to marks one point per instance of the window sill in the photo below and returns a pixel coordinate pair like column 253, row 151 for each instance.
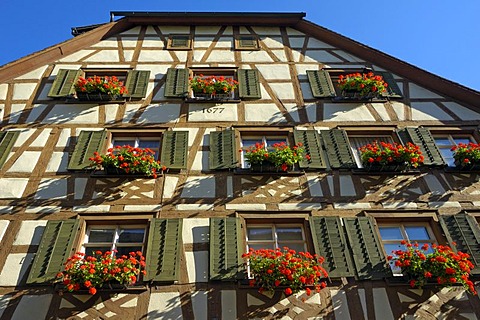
column 242, row 171
column 214, row 101
column 357, row 100
column 370, row 172
column 471, row 169
column 103, row 174
column 77, row 101
column 115, row 288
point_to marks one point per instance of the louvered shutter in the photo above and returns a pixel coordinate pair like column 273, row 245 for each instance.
column 330, row 243
column 223, row 153
column 54, row 249
column 63, row 84
column 226, row 248
column 321, row 84
column 368, row 256
column 464, row 231
column 175, row 149
column 137, row 83
column 7, row 140
column 247, row 42
column 424, row 139
column 249, row 84
column 176, row 83
column 311, row 141
column 163, row 250
column 88, row 142
column 338, row 150
column 179, row 41
column 393, row 90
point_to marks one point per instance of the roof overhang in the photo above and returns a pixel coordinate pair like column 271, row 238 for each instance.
column 206, row 18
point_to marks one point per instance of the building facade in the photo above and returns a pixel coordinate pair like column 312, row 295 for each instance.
column 194, row 221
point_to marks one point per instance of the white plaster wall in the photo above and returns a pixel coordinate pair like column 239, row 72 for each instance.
column 277, row 71
column 417, row 92
column 15, row 268
column 104, row 56
column 3, row 91
column 30, row 232
column 197, row 266
column 76, row 56
column 23, row 91
column 264, row 112
column 165, row 305
column 34, row 74
column 36, row 111
column 205, row 112
column 154, row 56
column 32, row 307
column 72, row 113
column 12, row 187
column 52, row 189
column 160, row 113
column 207, row 29
column 58, row 162
column 461, row 111
column 428, row 111
column 3, row 228
column 199, row 187
column 110, row 42
column 272, row 42
column 346, row 112
column 26, row 162
column 42, row 138
column 16, row 111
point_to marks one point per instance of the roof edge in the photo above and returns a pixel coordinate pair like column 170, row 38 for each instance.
column 415, row 74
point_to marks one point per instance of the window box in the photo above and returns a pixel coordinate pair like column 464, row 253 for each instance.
column 398, row 167
column 355, row 95
column 96, row 96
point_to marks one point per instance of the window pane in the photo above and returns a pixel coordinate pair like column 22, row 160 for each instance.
column 259, row 233
column 417, row 233
column 388, row 250
column 289, row 233
column 430, row 250
column 126, row 250
column 249, row 142
column 259, row 246
column 131, row 235
column 124, row 142
column 447, row 155
column 390, row 233
column 462, row 140
column 442, row 141
column 272, row 141
column 299, row 247
column 101, row 235
column 152, row 144
column 90, row 250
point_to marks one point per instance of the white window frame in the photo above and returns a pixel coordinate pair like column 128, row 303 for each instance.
column 114, row 244
column 137, row 140
column 356, row 153
column 453, row 143
column 274, row 240
column 263, row 138
column 432, row 239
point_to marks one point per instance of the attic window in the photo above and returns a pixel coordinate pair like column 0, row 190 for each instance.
column 179, row 42
column 246, row 42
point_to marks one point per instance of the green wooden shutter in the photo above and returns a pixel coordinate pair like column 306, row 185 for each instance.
column 311, row 141
column 338, row 150
column 179, row 41
column 163, row 250
column 175, row 149
column 424, row 139
column 54, row 249
column 368, row 256
column 63, row 84
column 330, row 243
column 7, row 140
column 137, row 83
column 247, row 42
column 176, row 84
column 393, row 90
column 249, row 84
column 88, row 142
column 226, row 248
column 223, row 153
column 463, row 229
column 321, row 84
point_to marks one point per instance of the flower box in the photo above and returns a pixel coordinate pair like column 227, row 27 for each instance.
column 212, row 97
column 126, row 160
column 467, row 156
column 467, row 166
column 96, row 96
column 396, row 167
column 264, row 167
column 362, row 86
column 281, row 158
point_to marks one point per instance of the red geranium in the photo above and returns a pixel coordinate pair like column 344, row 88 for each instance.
column 295, row 271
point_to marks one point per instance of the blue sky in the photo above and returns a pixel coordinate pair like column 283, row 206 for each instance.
column 442, row 37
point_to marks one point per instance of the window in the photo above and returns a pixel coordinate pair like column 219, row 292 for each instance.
column 324, row 83
column 152, row 143
column 276, row 235
column 246, row 42
column 358, row 141
column 267, row 140
column 123, row 238
column 179, row 42
column 445, row 143
column 392, row 234
column 120, row 74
